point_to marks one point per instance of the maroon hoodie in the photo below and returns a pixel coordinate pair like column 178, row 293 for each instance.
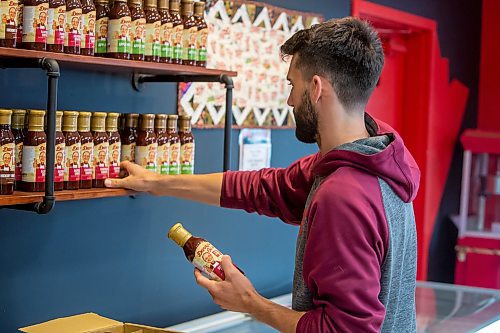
column 356, row 249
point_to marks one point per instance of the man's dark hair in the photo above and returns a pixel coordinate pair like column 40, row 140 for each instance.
column 347, row 52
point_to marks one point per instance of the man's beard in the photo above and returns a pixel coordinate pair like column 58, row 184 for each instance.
column 306, row 120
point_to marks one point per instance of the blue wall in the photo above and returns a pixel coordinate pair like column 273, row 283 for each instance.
column 111, row 256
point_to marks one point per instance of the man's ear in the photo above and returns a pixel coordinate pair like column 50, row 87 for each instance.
column 316, row 89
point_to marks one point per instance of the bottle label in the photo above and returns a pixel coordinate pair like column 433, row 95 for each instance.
column 19, row 161
column 119, row 35
column 162, row 158
column 153, row 43
column 56, row 25
column 145, row 156
column 87, row 161
column 73, row 18
column 7, row 168
column 138, row 33
column 72, row 169
column 102, row 35
column 201, row 45
column 35, row 23
column 114, row 160
column 20, row 11
column 187, row 158
column 189, row 51
column 128, row 152
column 101, row 170
column 177, row 32
column 8, row 19
column 87, row 29
column 34, row 163
column 59, row 162
column 166, row 46
column 174, row 162
column 208, row 260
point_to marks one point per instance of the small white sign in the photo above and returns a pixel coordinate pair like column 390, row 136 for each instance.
column 255, row 149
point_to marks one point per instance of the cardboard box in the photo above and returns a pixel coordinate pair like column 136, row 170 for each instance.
column 89, row 323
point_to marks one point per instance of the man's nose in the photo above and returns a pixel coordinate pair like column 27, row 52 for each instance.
column 289, row 101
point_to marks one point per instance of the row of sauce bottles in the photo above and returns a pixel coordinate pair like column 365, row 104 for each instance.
column 89, row 147
column 156, row 31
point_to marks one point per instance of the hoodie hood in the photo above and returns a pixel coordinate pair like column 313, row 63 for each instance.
column 383, row 154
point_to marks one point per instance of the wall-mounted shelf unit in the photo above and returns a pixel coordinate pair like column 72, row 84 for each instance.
column 141, row 73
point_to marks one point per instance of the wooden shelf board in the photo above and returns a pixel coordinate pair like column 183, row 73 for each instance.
column 20, row 197
column 112, row 65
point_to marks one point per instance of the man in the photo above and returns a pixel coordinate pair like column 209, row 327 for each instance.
column 356, row 249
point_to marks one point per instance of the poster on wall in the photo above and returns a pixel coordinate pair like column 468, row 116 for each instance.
column 245, row 36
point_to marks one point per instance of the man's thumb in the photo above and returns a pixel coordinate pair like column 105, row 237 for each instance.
column 227, row 264
column 113, row 183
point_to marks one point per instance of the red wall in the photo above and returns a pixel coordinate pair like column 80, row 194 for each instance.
column 489, row 82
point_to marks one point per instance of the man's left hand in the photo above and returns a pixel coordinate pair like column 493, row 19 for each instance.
column 235, row 293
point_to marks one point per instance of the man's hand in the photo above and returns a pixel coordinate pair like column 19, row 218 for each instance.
column 235, row 293
column 138, row 179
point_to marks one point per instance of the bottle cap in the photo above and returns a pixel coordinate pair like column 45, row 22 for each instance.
column 131, row 120
column 163, row 4
column 187, row 7
column 35, row 121
column 161, row 121
column 199, row 7
column 18, row 117
column 147, row 121
column 150, row 3
column 112, row 122
column 172, row 122
column 98, row 122
column 5, row 116
column 84, row 121
column 174, row 5
column 179, row 235
column 59, row 115
column 70, row 121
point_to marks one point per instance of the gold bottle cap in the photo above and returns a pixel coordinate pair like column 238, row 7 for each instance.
column 179, row 235
column 101, row 2
column 18, row 118
column 147, row 121
column 131, row 120
column 199, row 7
column 160, row 121
column 163, row 4
column 150, row 3
column 187, row 7
column 35, row 120
column 185, row 123
column 175, row 5
column 59, row 115
column 135, row 2
column 84, row 121
column 5, row 116
column 112, row 122
column 98, row 122
column 70, row 121
column 172, row 122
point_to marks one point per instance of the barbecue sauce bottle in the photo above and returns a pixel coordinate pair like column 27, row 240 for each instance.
column 189, row 52
column 72, row 38
column 35, row 24
column 86, row 150
column 18, row 117
column 34, row 153
column 199, row 252
column 187, row 145
column 72, row 167
column 60, row 152
column 114, row 145
column 165, row 32
column 129, row 137
column 7, row 151
column 201, row 35
column 101, row 145
column 119, row 30
column 56, row 26
column 137, row 29
column 8, row 23
column 153, row 29
column 87, row 28
column 177, row 32
column 147, row 145
column 175, row 146
column 101, row 27
column 162, row 156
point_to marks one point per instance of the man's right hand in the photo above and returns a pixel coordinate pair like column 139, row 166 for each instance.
column 138, row 179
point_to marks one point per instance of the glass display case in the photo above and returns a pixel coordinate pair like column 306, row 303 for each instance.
column 478, row 246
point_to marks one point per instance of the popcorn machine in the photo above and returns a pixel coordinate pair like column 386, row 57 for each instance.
column 478, row 245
